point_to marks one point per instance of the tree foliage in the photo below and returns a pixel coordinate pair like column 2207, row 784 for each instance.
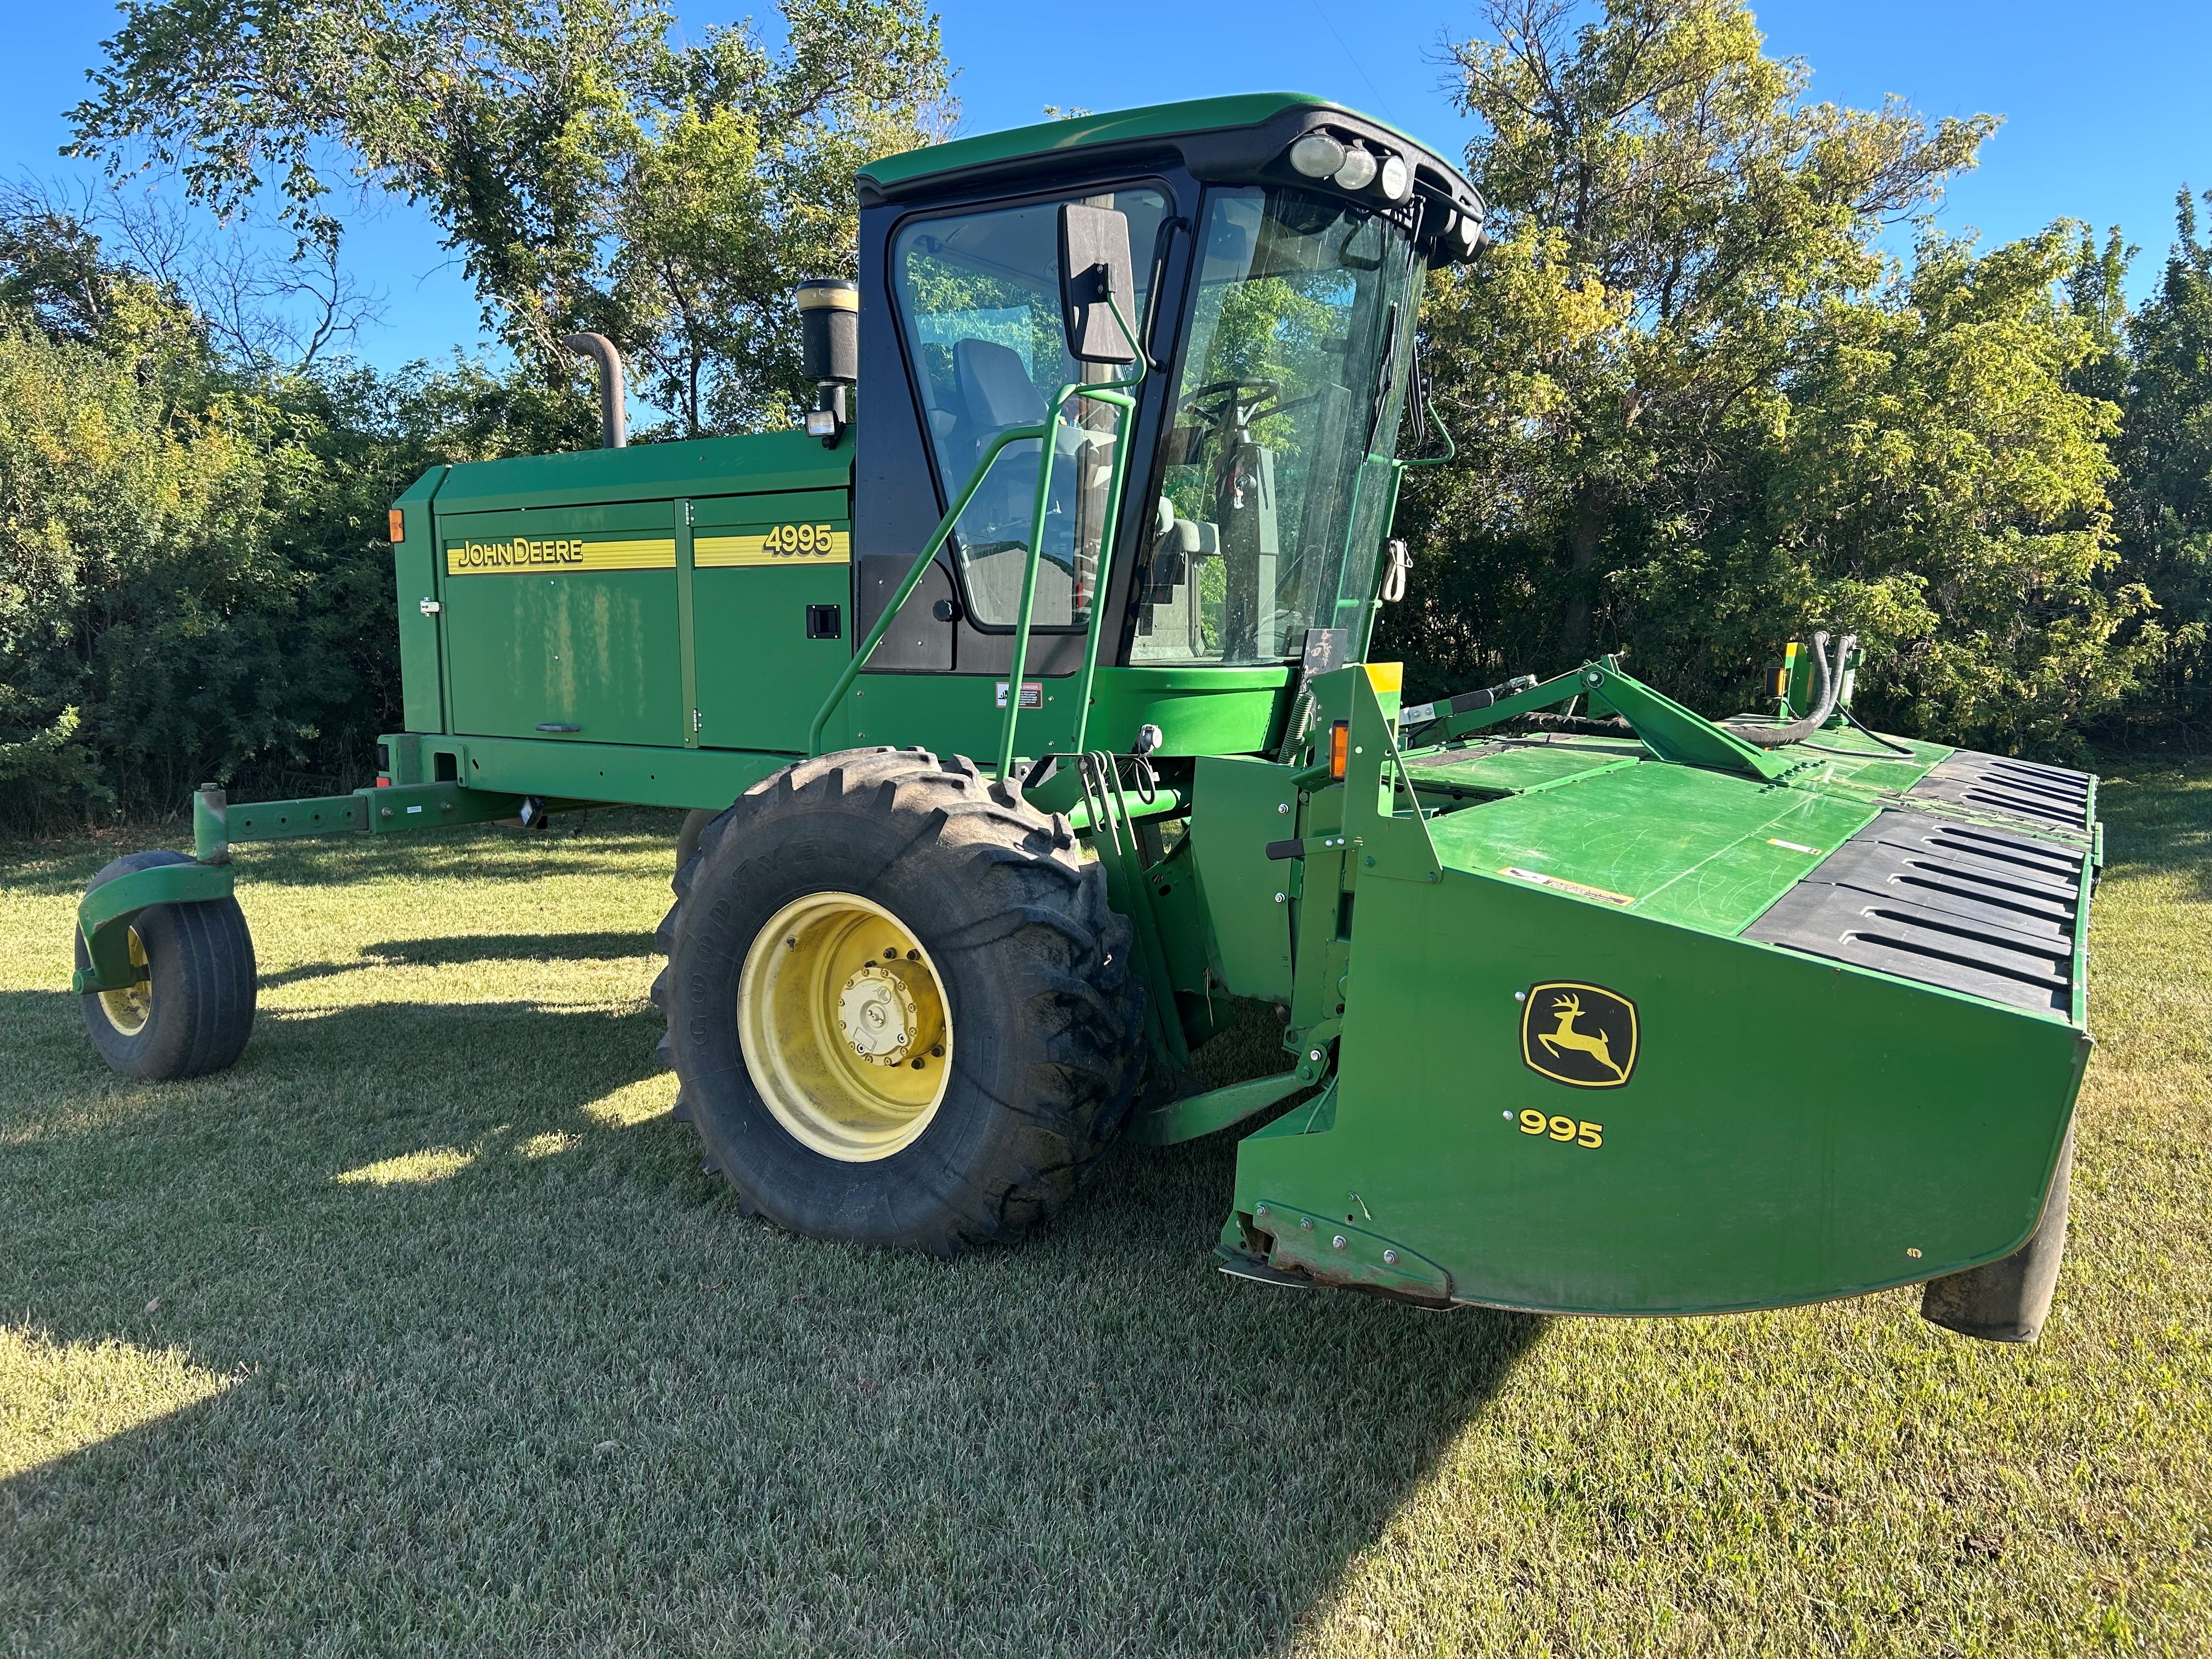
column 1703, row 412
column 589, row 174
column 194, row 581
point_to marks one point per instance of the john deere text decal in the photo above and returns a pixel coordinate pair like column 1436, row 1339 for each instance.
column 526, row 555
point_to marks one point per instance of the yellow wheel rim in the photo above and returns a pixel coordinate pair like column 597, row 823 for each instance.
column 128, row 1010
column 841, row 1015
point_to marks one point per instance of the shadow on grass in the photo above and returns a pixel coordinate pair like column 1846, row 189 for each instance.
column 480, row 852
column 548, row 1388
column 472, row 948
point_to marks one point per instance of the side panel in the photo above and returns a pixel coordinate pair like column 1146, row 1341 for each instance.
column 1239, row 806
column 758, row 562
column 610, row 772
column 1199, row 711
column 564, row 618
column 414, row 573
column 1790, row 1130
column 920, row 641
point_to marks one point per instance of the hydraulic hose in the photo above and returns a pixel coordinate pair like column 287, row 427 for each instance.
column 1826, row 683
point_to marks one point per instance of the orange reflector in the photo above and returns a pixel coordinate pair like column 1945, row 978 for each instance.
column 1340, row 747
column 397, row 524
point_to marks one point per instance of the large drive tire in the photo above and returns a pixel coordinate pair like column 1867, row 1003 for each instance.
column 192, row 1012
column 899, row 1009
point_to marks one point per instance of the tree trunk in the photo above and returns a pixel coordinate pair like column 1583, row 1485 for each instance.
column 1581, row 569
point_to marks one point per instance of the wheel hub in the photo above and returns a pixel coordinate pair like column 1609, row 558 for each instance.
column 128, row 1009
column 876, row 1012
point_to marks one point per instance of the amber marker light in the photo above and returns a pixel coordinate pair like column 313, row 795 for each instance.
column 1340, row 747
column 396, row 523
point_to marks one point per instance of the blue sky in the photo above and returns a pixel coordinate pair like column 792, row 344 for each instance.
column 2104, row 103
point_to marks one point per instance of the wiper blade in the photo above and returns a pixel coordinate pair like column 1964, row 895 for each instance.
column 1386, row 376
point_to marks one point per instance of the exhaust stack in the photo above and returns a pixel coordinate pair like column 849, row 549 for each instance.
column 614, row 425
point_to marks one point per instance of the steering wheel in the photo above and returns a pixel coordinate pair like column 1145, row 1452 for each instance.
column 1259, row 409
column 1226, row 391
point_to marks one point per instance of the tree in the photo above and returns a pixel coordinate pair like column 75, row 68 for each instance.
column 1687, row 346
column 64, row 246
column 148, row 622
column 2164, row 498
column 193, row 579
column 589, row 174
column 1934, row 483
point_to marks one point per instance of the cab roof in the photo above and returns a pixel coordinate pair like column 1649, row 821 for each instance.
column 1230, row 137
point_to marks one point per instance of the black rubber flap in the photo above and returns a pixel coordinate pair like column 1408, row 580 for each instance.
column 2020, row 789
column 1970, row 909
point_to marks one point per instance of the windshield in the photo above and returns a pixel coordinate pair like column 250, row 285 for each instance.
column 1274, row 504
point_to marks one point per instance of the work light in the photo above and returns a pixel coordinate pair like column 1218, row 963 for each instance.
column 1317, row 156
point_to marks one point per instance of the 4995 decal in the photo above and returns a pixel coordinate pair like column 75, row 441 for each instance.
column 786, row 543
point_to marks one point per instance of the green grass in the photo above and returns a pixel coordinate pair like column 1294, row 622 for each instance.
column 422, row 1331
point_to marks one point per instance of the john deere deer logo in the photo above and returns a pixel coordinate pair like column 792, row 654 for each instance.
column 1580, row 1035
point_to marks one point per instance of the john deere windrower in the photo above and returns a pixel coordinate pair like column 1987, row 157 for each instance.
column 1589, row 1004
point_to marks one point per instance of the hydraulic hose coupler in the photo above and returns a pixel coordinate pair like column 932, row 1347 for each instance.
column 830, row 350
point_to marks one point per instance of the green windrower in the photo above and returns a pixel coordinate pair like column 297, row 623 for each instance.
column 1588, row 1003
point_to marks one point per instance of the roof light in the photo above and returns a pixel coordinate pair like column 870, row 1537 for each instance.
column 1396, row 178
column 1359, row 169
column 1317, row 155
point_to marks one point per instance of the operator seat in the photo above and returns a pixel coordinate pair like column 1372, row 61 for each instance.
column 996, row 392
column 995, row 386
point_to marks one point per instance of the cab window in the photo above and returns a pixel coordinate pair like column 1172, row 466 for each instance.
column 979, row 304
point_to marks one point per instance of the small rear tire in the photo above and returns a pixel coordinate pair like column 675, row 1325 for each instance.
column 192, row 1009
column 900, row 1010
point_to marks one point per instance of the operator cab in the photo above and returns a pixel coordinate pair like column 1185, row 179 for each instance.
column 1278, row 245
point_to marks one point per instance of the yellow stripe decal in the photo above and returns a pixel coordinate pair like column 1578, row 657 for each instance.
column 786, row 544
column 526, row 555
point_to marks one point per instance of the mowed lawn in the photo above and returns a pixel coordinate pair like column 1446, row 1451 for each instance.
column 422, row 1331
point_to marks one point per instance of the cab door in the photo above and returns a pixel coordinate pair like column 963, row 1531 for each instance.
column 561, row 623
column 771, row 614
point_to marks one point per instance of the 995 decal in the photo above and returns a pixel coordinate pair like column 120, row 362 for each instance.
column 1580, row 1132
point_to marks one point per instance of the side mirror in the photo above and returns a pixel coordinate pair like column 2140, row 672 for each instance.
column 1095, row 263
